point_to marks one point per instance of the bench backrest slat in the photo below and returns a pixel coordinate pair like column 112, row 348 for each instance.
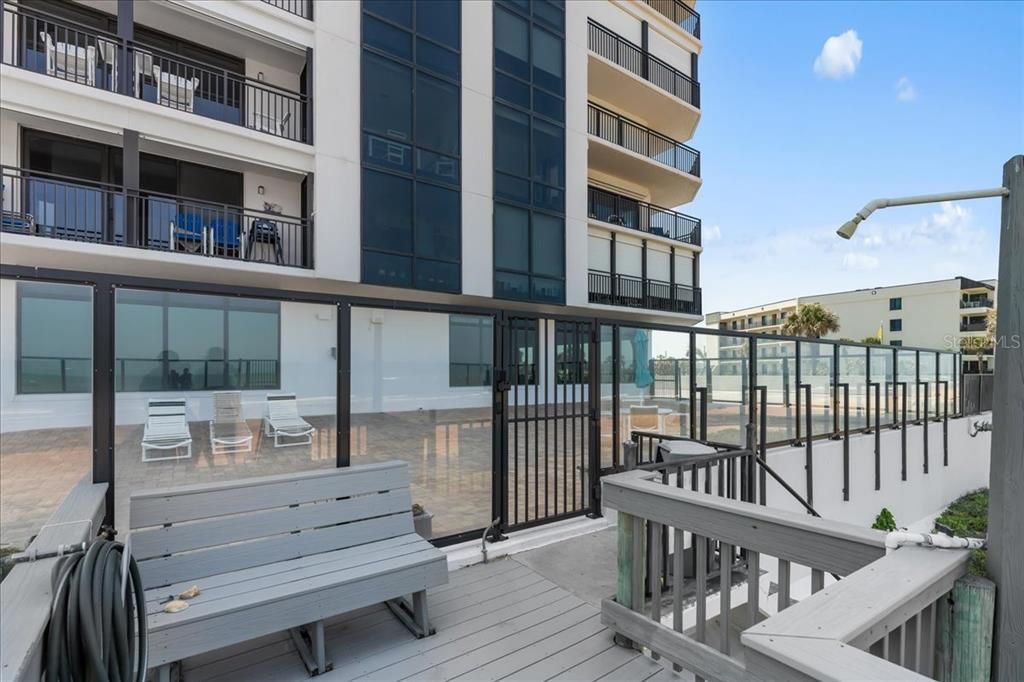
column 282, row 406
column 186, row 533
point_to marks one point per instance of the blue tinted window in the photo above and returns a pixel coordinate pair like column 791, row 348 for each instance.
column 398, row 11
column 387, row 97
column 387, row 211
column 438, row 217
column 437, row 115
column 434, row 58
column 511, row 141
column 547, row 290
column 437, row 276
column 547, row 245
column 512, row 188
column 439, row 20
column 548, row 153
column 508, row 285
column 54, row 338
column 437, row 167
column 548, row 105
column 380, row 151
column 511, row 238
column 511, row 90
column 547, row 60
column 511, row 43
column 387, row 269
column 386, row 37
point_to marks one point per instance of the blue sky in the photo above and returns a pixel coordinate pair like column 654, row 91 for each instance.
column 926, row 97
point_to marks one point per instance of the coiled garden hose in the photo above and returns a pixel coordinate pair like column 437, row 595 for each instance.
column 94, row 633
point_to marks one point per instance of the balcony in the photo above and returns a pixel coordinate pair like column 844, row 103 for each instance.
column 620, row 72
column 973, row 326
column 972, row 303
column 635, row 292
column 304, row 9
column 624, row 148
column 57, row 47
column 59, row 207
column 618, row 210
column 679, row 13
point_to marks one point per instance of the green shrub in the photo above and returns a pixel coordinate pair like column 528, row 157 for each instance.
column 884, row 521
column 968, row 517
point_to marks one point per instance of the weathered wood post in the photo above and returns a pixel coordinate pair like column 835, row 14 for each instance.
column 1006, row 482
column 629, row 588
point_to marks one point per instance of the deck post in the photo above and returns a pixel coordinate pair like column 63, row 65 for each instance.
column 631, row 533
column 1006, row 482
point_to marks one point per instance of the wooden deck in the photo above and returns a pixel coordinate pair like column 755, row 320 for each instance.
column 495, row 621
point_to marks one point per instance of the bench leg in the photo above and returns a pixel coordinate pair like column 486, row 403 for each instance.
column 413, row 616
column 310, row 644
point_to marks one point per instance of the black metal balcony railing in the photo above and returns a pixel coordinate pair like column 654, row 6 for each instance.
column 56, row 206
column 635, row 292
column 629, row 134
column 976, row 303
column 619, row 210
column 973, row 326
column 680, row 14
column 304, row 8
column 47, row 44
column 622, row 52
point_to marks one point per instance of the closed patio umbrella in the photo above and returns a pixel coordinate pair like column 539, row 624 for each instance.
column 641, row 358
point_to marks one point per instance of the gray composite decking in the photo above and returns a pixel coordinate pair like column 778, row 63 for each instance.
column 494, row 621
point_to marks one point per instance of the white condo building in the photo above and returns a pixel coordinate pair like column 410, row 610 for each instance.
column 392, row 210
column 950, row 314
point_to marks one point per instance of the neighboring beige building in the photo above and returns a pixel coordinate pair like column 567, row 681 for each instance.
column 942, row 314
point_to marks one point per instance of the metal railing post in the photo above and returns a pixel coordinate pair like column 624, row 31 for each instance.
column 809, row 459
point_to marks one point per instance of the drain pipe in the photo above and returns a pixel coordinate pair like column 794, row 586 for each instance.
column 901, row 537
column 483, row 540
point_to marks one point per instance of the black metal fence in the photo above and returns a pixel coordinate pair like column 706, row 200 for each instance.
column 635, row 292
column 622, row 52
column 60, row 207
column 622, row 131
column 680, row 14
column 300, row 8
column 58, row 47
column 638, row 215
column 977, row 393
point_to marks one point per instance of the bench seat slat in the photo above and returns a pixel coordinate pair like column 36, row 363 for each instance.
column 191, row 503
column 227, row 558
column 206, row 631
column 158, row 541
column 257, row 572
column 288, row 572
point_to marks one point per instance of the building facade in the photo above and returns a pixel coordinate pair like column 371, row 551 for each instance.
column 951, row 314
column 339, row 201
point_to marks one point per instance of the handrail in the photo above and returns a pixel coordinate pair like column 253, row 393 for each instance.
column 631, row 57
column 641, row 216
column 635, row 292
column 680, row 14
column 625, row 132
column 104, row 213
column 842, row 631
column 53, row 45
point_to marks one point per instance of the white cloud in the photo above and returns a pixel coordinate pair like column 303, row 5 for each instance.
column 839, row 56
column 905, row 91
column 712, row 234
column 860, row 261
column 951, row 228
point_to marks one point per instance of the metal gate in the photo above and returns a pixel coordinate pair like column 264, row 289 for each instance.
column 546, row 419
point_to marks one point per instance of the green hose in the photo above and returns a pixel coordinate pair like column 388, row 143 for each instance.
column 92, row 630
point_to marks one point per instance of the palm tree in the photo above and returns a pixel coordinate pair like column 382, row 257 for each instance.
column 812, row 320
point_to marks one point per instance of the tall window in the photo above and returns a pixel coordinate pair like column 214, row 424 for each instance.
column 470, row 350
column 189, row 342
column 529, row 150
column 411, row 222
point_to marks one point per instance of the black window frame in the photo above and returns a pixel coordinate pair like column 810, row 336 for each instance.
column 479, row 323
column 414, row 176
column 896, row 303
column 896, row 324
column 19, row 295
column 534, row 21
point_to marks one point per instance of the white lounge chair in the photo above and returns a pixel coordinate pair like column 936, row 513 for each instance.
column 283, row 421
column 228, row 430
column 166, row 429
column 175, row 91
column 69, row 61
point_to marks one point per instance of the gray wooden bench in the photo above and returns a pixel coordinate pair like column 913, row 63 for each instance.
column 280, row 553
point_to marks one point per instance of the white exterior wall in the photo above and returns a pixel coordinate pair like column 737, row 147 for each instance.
column 576, row 289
